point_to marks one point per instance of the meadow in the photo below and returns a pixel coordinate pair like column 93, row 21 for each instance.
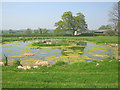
column 62, row 75
column 96, row 39
column 92, row 74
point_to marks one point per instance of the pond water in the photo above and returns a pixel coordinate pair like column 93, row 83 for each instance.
column 90, row 51
column 16, row 50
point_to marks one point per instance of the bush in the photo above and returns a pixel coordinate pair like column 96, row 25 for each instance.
column 60, row 63
column 99, row 34
column 33, row 35
column 17, row 63
column 92, row 34
column 86, row 34
column 110, row 33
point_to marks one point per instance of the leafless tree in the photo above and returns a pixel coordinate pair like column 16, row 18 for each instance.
column 119, row 17
column 113, row 14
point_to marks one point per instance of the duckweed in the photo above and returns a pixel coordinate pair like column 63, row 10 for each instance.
column 43, row 53
column 6, row 46
column 26, row 50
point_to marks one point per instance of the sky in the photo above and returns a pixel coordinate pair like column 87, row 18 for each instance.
column 23, row 15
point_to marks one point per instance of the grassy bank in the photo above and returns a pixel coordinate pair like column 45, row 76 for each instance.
column 97, row 39
column 62, row 75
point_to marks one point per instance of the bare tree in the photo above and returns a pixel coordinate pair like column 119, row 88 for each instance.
column 113, row 14
column 119, row 17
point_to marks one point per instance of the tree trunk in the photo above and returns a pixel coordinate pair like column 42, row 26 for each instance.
column 73, row 33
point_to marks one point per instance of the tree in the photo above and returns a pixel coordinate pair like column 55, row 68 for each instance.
column 40, row 30
column 28, row 31
column 45, row 31
column 110, row 33
column 80, row 23
column 2, row 31
column 59, row 32
column 113, row 14
column 11, row 31
column 61, row 29
column 36, row 31
column 71, row 23
column 104, row 27
column 118, row 25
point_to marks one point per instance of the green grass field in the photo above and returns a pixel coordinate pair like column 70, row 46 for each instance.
column 77, row 75
column 96, row 39
column 62, row 75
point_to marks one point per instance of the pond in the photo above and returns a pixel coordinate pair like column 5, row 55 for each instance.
column 74, row 52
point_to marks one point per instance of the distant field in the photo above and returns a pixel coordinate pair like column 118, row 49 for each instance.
column 96, row 39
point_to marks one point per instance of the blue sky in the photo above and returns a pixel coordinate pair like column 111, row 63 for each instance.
column 22, row 15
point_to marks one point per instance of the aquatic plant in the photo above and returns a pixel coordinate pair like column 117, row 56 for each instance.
column 17, row 56
column 43, row 53
column 8, row 50
column 43, row 44
column 18, row 44
column 60, row 63
column 26, row 50
column 97, row 47
column 63, row 53
column 17, row 63
column 6, row 46
column 48, row 50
